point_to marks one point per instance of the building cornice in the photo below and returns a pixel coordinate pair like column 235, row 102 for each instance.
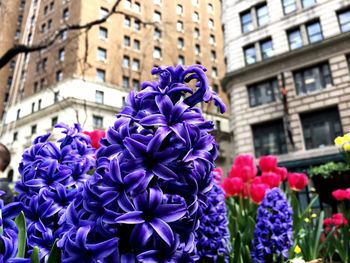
column 285, row 60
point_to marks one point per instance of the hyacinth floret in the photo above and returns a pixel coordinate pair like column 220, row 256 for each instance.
column 153, row 174
column 51, row 174
column 273, row 232
column 212, row 235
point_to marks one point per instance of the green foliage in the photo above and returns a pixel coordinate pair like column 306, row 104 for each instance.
column 329, row 169
column 22, row 234
column 55, row 254
column 35, row 256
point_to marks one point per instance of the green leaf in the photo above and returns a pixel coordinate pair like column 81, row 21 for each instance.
column 34, row 258
column 22, row 235
column 55, row 254
column 237, row 247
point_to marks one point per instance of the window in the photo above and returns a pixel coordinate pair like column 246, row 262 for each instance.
column 181, row 60
column 320, row 128
column 348, row 59
column 15, row 136
column 33, row 129
column 46, row 9
column 312, row 78
column 157, row 2
column 39, row 104
column 127, row 21
column 137, row 7
column 54, row 121
column 33, row 107
column 211, row 23
column 97, row 121
column 65, row 13
column 179, row 26
column 157, row 16
column 210, row 8
column 213, row 55
column 314, row 32
column 157, row 53
column 135, row 84
column 157, row 34
column 49, row 24
column 18, row 114
column 289, row 6
column 195, row 16
column 294, row 39
column 218, row 125
column 61, row 55
column 127, row 41
column 52, row 6
column 59, row 75
column 44, row 64
column 214, row 72
column 99, row 96
column 195, row 2
column 137, row 25
column 212, row 40
column 250, row 55
column 103, row 33
column 197, row 49
column 12, row 64
column 42, row 83
column 179, row 9
column 308, row 3
column 125, row 82
column 56, row 96
column 63, row 35
column 101, row 54
column 262, row 14
column 103, row 12
column 127, row 4
column 263, row 92
column 269, row 138
column 180, row 43
column 215, row 88
column 246, row 21
column 196, row 33
column 135, row 65
column 9, row 81
column 137, row 44
column 100, row 75
column 266, row 48
column 344, row 20
column 36, row 86
column 43, row 28
column 126, row 62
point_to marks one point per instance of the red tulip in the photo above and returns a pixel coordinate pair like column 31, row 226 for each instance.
column 271, row 179
column 257, row 192
column 338, row 220
column 244, row 167
column 232, row 186
column 340, row 195
column 283, row 172
column 268, row 163
column 297, row 181
column 95, row 137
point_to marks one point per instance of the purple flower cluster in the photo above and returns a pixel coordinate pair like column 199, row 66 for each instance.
column 212, row 235
column 51, row 175
column 273, row 231
column 153, row 174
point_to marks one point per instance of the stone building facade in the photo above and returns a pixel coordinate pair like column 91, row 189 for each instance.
column 288, row 77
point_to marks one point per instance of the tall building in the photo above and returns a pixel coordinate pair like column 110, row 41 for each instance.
column 85, row 77
column 288, row 77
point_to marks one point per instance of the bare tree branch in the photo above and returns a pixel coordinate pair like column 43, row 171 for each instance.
column 22, row 48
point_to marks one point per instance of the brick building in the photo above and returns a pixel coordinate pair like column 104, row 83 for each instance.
column 288, row 77
column 85, row 78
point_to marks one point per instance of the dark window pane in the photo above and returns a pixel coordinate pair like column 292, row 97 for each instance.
column 246, row 21
column 250, row 55
column 269, row 138
column 263, row 92
column 289, row 6
column 266, row 49
column 262, row 13
column 320, row 128
column 312, row 79
column 344, row 20
column 314, row 32
column 295, row 40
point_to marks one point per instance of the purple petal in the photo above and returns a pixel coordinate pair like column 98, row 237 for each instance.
column 154, row 119
column 135, row 148
column 164, row 172
column 141, row 234
column 170, row 213
column 163, row 230
column 165, row 105
column 133, row 180
column 134, row 217
column 155, row 198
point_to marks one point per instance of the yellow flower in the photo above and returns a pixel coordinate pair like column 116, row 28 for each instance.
column 313, row 215
column 339, row 141
column 346, row 137
column 297, row 249
column 346, row 147
column 306, row 220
